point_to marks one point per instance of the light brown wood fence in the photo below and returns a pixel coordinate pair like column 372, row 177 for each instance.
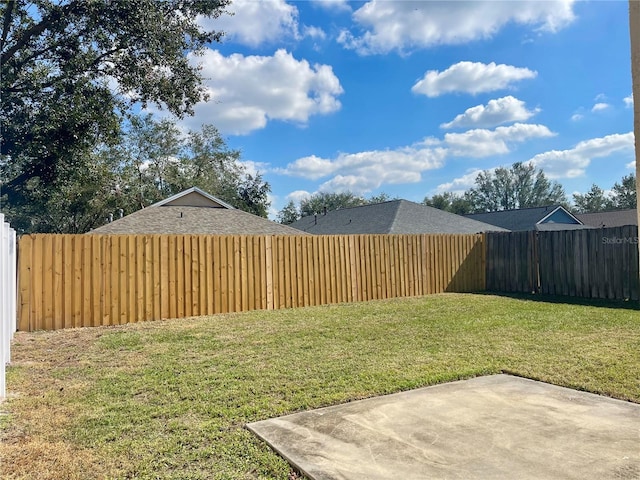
column 590, row 263
column 91, row 280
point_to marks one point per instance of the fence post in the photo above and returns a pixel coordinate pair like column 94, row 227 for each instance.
column 7, row 297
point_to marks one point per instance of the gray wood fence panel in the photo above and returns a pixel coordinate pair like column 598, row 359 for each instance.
column 589, row 263
column 511, row 265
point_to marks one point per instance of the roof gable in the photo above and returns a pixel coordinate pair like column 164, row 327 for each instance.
column 192, row 197
column 560, row 215
column 194, row 212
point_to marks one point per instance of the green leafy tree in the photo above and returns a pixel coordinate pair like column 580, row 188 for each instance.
column 594, row 200
column 449, row 202
column 380, row 198
column 155, row 161
column 624, row 194
column 71, row 70
column 520, row 186
column 318, row 202
column 151, row 161
column 253, row 195
column 288, row 214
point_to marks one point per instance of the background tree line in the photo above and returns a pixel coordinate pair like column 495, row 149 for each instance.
column 75, row 74
column 524, row 186
column 519, row 186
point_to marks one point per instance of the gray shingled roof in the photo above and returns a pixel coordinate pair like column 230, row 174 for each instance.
column 516, row 220
column 194, row 220
column 617, row 218
column 394, row 217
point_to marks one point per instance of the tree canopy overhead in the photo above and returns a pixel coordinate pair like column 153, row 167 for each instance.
column 71, row 69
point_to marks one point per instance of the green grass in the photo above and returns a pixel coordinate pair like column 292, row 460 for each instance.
column 170, row 399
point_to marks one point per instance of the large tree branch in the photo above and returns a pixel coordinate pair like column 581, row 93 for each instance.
column 71, row 10
column 6, row 24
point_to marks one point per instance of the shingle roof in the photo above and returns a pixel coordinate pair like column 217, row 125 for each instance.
column 194, row 211
column 194, row 220
column 394, row 217
column 617, row 218
column 517, row 219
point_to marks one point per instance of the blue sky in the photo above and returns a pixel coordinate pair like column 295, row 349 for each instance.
column 413, row 98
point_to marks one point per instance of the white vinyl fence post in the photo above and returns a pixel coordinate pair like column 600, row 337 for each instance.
column 8, row 255
column 3, row 307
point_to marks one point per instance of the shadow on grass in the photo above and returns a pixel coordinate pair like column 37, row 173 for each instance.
column 588, row 302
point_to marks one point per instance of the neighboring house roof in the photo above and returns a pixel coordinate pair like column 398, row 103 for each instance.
column 535, row 218
column 194, row 212
column 613, row 218
column 397, row 216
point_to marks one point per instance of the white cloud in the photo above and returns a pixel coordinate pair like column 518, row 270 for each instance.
column 337, row 5
column 406, row 25
column 601, row 97
column 576, row 117
column 365, row 171
column 631, row 165
column 272, row 211
column 628, row 101
column 573, row 162
column 496, row 112
column 461, row 184
column 256, row 22
column 314, row 32
column 254, row 168
column 311, row 167
column 600, row 106
column 483, row 143
column 470, row 77
column 246, row 92
column 297, row 196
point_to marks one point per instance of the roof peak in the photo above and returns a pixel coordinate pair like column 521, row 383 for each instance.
column 189, row 191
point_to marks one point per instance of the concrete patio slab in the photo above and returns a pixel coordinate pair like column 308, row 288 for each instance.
column 498, row 426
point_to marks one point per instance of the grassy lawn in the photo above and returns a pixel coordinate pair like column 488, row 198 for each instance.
column 169, row 399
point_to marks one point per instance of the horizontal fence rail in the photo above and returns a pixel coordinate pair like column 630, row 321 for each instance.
column 588, row 263
column 91, row 280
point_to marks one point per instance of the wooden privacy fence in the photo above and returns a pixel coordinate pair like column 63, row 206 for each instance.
column 512, row 264
column 90, row 280
column 589, row 263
